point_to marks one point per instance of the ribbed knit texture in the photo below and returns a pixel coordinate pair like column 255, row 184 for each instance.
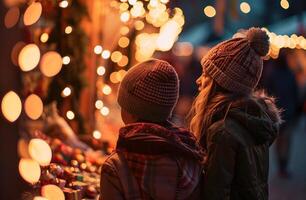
column 236, row 64
column 149, row 90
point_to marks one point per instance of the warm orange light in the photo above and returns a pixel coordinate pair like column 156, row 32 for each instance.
column 124, row 61
column 98, row 49
column 139, row 25
column 97, row 134
column 70, row 115
column 39, row 198
column 132, row 2
column 29, row 170
column 52, row 192
column 284, row 4
column 101, row 70
column 68, row 29
column 116, row 56
column 124, row 30
column 66, row 92
column 66, row 60
column 32, row 13
column 124, row 42
column 33, row 106
column 123, row 7
column 125, row 16
column 29, row 57
column 40, row 151
column 245, row 7
column 99, row 104
column 104, row 111
column 106, row 54
column 51, row 63
column 44, row 37
column 63, row 4
column 209, row 11
column 107, row 90
column 11, row 17
column 11, row 106
column 113, row 77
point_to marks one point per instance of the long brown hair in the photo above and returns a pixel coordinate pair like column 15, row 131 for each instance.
column 211, row 101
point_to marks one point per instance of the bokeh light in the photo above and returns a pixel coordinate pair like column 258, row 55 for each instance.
column 107, row 90
column 124, row 42
column 29, row 170
column 70, row 115
column 40, row 151
column 104, row 111
column 44, row 37
column 33, row 106
column 63, row 4
column 51, row 63
column 105, row 54
column 113, row 77
column 11, row 17
column 98, row 49
column 124, row 30
column 139, row 25
column 39, row 198
column 29, row 57
column 99, row 104
column 11, row 106
column 125, row 16
column 124, row 61
column 32, row 13
column 209, row 11
column 68, row 29
column 116, row 56
column 96, row 134
column 284, row 4
column 66, row 92
column 66, row 60
column 101, row 70
column 245, row 7
column 52, row 192
column 124, row 7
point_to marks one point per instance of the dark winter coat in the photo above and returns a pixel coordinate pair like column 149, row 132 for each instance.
column 152, row 162
column 237, row 163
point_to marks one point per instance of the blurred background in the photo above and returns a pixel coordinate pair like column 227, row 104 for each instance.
column 62, row 61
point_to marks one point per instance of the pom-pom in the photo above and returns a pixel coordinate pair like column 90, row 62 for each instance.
column 259, row 41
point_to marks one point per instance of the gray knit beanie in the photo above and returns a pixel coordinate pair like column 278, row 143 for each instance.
column 236, row 64
column 149, row 90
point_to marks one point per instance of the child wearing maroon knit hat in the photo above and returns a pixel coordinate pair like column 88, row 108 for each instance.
column 153, row 159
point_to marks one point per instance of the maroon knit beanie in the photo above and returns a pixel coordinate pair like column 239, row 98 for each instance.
column 149, row 90
column 236, row 64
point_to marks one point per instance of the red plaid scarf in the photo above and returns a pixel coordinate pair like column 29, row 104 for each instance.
column 144, row 143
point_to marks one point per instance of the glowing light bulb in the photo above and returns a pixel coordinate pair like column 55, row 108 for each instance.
column 99, row 104
column 101, row 70
column 68, row 29
column 29, row 57
column 105, row 54
column 63, row 4
column 44, row 37
column 104, row 111
column 66, row 60
column 51, row 63
column 107, row 90
column 66, row 92
column 139, row 25
column 52, row 192
column 70, row 115
column 97, row 134
column 124, row 30
column 132, row 2
column 209, row 11
column 98, row 49
column 116, row 56
column 32, row 13
column 245, row 7
column 124, row 61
